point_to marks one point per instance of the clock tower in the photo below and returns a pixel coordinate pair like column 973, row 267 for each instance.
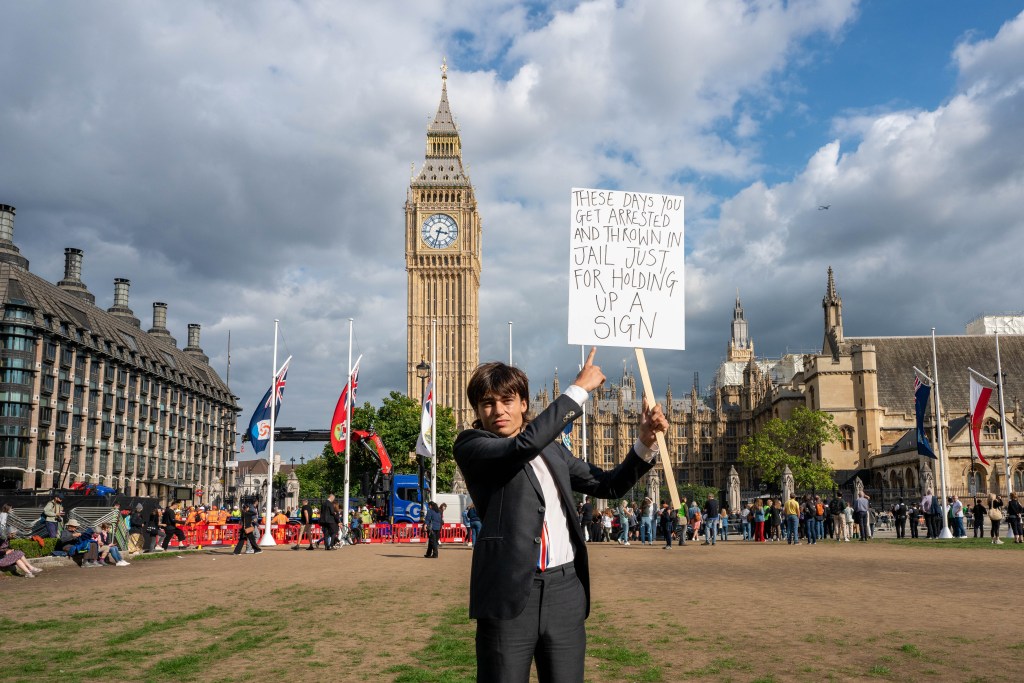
column 442, row 260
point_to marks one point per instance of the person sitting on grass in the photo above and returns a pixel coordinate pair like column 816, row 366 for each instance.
column 14, row 558
column 107, row 548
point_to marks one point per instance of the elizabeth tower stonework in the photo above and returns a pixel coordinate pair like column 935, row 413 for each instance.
column 442, row 259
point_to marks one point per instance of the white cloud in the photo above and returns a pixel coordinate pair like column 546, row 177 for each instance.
column 246, row 162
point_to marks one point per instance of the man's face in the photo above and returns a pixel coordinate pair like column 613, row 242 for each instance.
column 501, row 415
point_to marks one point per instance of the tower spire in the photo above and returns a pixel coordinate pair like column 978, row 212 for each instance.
column 741, row 346
column 832, row 304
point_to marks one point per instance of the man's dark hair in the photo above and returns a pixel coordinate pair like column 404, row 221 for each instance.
column 497, row 378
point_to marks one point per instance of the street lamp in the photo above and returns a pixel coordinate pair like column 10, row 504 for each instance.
column 423, row 372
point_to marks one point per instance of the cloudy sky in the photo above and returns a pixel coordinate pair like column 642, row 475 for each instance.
column 249, row 161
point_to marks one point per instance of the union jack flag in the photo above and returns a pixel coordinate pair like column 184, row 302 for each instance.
column 259, row 424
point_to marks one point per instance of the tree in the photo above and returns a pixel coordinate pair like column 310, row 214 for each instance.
column 794, row 442
column 397, row 422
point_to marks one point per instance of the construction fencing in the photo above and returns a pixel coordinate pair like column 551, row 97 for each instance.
column 204, row 535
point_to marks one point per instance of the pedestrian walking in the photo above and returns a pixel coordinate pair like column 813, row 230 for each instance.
column 249, row 517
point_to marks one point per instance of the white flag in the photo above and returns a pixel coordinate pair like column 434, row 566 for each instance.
column 426, row 423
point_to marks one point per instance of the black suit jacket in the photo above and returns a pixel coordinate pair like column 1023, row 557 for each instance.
column 511, row 506
column 327, row 514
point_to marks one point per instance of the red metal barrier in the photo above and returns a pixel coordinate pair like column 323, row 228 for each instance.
column 453, row 533
column 201, row 535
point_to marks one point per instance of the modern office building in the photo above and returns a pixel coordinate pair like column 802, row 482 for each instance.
column 87, row 395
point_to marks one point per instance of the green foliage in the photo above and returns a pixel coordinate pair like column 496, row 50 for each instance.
column 793, row 442
column 397, row 422
column 697, row 492
column 31, row 548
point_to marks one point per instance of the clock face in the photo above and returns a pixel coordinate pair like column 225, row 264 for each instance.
column 440, row 231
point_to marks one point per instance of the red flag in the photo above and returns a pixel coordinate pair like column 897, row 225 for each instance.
column 979, row 403
column 340, row 421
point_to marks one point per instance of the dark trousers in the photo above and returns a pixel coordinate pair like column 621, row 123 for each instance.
column 934, row 525
column 1015, row 525
column 666, row 530
column 432, row 545
column 251, row 537
column 173, row 531
column 330, row 533
column 862, row 521
column 913, row 526
column 901, row 527
column 979, row 527
column 549, row 630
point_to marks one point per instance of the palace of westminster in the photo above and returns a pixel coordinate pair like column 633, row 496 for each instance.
column 87, row 395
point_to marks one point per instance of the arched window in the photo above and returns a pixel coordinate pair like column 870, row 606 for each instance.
column 846, row 431
column 1018, row 479
column 975, row 479
column 991, row 431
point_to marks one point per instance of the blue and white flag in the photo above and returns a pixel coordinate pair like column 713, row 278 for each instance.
column 567, row 435
column 921, row 393
column 259, row 425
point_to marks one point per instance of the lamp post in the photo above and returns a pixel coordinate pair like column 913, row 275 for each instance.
column 302, row 459
column 423, row 372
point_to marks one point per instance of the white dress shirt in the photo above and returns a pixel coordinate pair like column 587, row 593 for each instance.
column 556, row 545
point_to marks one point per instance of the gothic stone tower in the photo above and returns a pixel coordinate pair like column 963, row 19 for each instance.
column 442, row 259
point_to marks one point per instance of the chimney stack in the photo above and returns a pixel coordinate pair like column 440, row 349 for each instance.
column 120, row 307
column 193, row 349
column 8, row 252
column 72, row 281
column 159, row 329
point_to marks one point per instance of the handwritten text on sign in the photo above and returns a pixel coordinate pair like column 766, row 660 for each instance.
column 626, row 270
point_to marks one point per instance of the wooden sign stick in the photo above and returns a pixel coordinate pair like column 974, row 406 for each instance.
column 666, row 463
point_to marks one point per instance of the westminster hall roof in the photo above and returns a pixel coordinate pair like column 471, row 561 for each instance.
column 897, row 356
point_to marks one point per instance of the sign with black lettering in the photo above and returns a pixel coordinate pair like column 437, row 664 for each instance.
column 626, row 270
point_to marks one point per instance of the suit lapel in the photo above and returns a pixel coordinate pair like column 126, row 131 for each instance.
column 528, row 468
column 558, row 471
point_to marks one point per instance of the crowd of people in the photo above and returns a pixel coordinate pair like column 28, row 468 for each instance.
column 806, row 519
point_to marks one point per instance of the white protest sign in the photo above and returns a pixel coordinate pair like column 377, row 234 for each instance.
column 626, row 270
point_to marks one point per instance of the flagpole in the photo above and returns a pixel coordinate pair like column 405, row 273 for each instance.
column 434, row 404
column 945, row 533
column 268, row 538
column 348, row 428
column 510, row 342
column 1002, row 421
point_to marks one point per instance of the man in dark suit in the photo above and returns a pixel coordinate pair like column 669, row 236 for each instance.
column 530, row 580
column 587, row 517
column 329, row 522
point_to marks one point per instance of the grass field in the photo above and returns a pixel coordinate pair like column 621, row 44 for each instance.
column 734, row 612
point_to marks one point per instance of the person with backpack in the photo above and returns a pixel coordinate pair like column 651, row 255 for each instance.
column 693, row 516
column 819, row 518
